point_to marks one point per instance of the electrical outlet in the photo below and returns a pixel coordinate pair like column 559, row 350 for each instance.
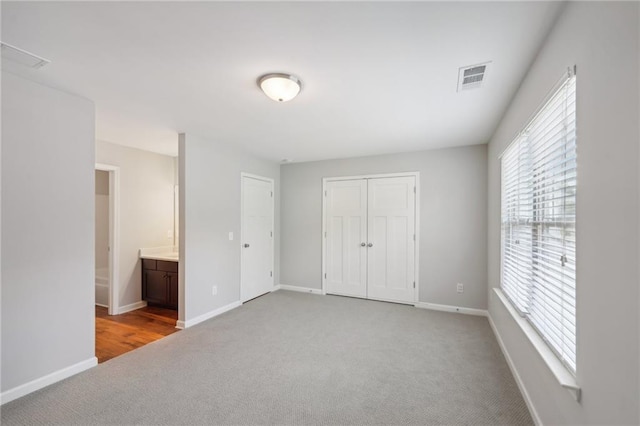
column 214, row 290
column 460, row 288
column 169, row 234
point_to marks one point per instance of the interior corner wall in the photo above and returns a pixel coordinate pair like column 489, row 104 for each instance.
column 47, row 231
column 209, row 210
column 146, row 191
column 453, row 213
column 601, row 38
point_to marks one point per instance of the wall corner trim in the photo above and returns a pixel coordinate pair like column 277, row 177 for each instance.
column 516, row 376
column 47, row 380
column 132, row 307
column 208, row 315
column 449, row 308
column 300, row 289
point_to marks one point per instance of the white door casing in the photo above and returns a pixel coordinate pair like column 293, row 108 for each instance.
column 346, row 219
column 256, row 236
column 380, row 211
column 114, row 236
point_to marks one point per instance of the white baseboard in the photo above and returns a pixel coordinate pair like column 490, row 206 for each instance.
column 102, row 306
column 516, row 376
column 132, row 307
column 275, row 288
column 208, row 315
column 47, row 380
column 449, row 308
column 299, row 289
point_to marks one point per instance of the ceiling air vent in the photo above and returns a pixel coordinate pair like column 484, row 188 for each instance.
column 15, row 54
column 472, row 77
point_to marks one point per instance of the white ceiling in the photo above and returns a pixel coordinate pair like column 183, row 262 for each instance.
column 377, row 77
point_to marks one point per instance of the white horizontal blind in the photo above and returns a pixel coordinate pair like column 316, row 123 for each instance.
column 516, row 224
column 539, row 222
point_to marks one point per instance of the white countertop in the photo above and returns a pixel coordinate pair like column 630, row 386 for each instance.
column 171, row 257
column 169, row 254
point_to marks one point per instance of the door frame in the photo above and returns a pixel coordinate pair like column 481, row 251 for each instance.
column 114, row 235
column 323, row 236
column 273, row 220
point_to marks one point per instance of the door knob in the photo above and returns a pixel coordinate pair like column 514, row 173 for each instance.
column 246, row 245
column 363, row 244
column 370, row 245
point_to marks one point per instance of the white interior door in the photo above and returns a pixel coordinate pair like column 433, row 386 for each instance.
column 370, row 247
column 257, row 237
column 391, row 244
column 346, row 226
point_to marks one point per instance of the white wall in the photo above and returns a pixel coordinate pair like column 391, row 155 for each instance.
column 102, row 219
column 453, row 214
column 47, row 232
column 147, row 184
column 209, row 210
column 602, row 40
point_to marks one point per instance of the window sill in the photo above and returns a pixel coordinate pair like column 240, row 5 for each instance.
column 561, row 373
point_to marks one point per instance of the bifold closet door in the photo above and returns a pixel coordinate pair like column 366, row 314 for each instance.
column 391, row 239
column 346, row 226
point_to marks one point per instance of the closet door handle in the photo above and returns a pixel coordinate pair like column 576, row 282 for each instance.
column 363, row 244
column 370, row 245
column 246, row 245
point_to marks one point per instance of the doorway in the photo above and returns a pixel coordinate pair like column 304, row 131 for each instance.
column 370, row 249
column 102, row 239
column 107, row 180
column 118, row 329
column 256, row 236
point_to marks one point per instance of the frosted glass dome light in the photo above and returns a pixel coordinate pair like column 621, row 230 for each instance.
column 280, row 87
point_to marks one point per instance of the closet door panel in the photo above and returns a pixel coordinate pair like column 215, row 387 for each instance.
column 346, row 258
column 398, row 253
column 391, row 229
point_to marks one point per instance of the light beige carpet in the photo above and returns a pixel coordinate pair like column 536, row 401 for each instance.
column 293, row 358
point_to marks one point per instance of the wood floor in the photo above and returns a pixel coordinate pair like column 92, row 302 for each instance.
column 118, row 334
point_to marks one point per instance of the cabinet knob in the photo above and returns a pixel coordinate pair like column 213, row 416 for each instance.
column 246, row 245
column 363, row 244
column 370, row 245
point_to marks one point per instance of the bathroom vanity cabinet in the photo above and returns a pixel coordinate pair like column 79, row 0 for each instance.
column 160, row 283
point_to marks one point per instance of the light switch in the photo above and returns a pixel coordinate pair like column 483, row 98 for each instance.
column 230, row 236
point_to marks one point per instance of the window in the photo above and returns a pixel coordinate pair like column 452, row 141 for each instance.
column 538, row 265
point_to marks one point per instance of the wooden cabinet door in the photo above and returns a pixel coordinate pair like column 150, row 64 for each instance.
column 172, row 283
column 155, row 287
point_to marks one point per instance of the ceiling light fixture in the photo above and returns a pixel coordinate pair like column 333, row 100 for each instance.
column 279, row 86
